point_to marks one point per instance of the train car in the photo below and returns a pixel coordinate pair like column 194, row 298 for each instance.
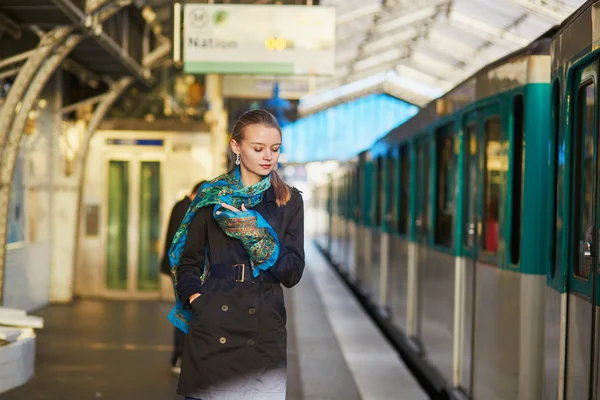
column 572, row 334
column 447, row 218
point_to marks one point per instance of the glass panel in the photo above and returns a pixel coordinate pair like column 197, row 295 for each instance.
column 118, row 218
column 348, row 193
column 404, row 190
column 446, row 172
column 380, row 193
column 149, row 229
column 559, row 167
column 358, row 203
column 517, row 189
column 494, row 165
column 471, row 187
column 423, row 191
column 16, row 205
column 584, row 178
column 391, row 192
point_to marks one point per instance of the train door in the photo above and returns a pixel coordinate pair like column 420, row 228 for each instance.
column 471, row 189
column 329, row 229
column 422, row 218
column 582, row 315
column 133, row 226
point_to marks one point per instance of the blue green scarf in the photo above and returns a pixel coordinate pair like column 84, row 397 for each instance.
column 256, row 235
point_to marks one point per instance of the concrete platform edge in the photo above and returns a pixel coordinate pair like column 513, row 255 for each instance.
column 426, row 374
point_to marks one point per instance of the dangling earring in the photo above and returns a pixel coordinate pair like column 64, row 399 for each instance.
column 237, row 159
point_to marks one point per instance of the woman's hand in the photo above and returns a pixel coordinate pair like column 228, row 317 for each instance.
column 194, row 297
column 232, row 208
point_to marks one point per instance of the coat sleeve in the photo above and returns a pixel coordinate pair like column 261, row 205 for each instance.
column 290, row 265
column 191, row 262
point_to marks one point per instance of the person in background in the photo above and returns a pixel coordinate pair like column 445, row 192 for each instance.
column 177, row 214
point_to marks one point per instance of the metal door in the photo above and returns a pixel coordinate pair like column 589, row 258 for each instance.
column 582, row 331
column 133, row 226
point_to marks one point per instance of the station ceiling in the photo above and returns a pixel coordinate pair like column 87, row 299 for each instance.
column 416, row 49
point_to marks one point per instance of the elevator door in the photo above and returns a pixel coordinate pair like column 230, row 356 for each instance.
column 133, row 234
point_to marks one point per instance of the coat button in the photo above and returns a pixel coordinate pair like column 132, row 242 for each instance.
column 224, row 307
column 252, row 311
column 222, row 340
column 250, row 342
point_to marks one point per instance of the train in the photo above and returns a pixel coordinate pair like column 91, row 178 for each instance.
column 470, row 230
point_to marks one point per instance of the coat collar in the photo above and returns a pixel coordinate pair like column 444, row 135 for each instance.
column 269, row 196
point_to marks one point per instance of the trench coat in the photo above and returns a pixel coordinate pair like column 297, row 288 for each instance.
column 237, row 339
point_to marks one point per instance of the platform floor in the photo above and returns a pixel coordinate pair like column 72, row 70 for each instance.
column 113, row 350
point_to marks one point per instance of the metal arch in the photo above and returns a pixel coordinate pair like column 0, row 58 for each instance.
column 115, row 91
column 113, row 94
column 153, row 59
column 47, row 44
column 7, row 164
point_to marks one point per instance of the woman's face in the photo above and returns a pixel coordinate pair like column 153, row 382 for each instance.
column 259, row 149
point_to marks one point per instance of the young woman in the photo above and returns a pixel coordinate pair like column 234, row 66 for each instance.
column 242, row 237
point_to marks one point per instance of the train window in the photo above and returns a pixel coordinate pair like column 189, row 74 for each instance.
column 358, row 204
column 340, row 196
column 584, row 178
column 423, row 165
column 391, row 192
column 494, row 166
column 517, row 183
column 335, row 191
column 471, row 186
column 351, row 189
column 369, row 189
column 446, row 171
column 380, row 192
column 555, row 119
column 346, row 197
column 403, row 210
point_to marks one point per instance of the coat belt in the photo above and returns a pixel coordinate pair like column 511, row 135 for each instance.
column 239, row 273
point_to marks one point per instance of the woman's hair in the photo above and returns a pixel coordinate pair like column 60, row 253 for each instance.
column 260, row 117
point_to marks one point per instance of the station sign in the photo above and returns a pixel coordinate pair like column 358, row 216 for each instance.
column 258, row 39
column 261, row 87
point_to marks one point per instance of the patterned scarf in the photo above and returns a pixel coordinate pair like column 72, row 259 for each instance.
column 256, row 235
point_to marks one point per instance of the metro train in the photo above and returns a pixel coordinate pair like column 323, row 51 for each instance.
column 470, row 229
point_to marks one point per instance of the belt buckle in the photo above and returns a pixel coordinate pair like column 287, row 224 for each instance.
column 235, row 273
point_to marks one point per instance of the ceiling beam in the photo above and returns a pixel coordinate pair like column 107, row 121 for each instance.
column 500, row 36
column 9, row 26
column 392, row 55
column 555, row 12
column 409, row 17
column 418, row 74
column 358, row 13
column 375, row 48
column 403, row 36
column 445, row 70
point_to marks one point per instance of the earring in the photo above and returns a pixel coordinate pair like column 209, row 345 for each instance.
column 237, row 159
